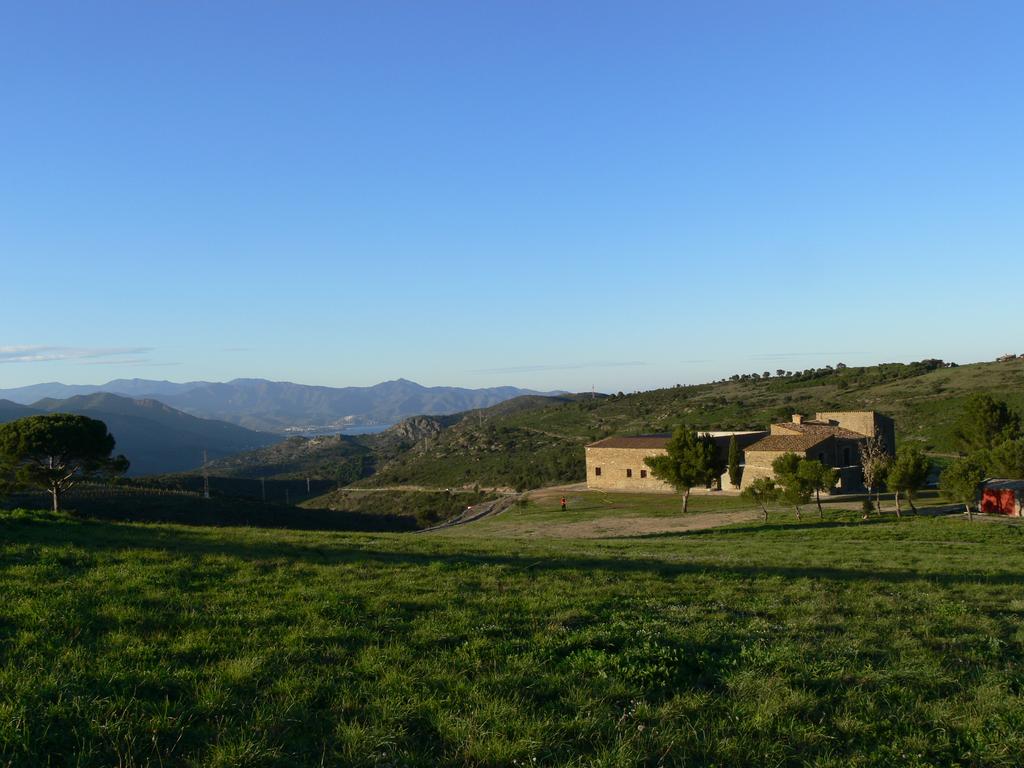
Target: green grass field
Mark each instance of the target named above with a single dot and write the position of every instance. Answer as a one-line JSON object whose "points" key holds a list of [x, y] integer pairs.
{"points": [[539, 512], [830, 643]]}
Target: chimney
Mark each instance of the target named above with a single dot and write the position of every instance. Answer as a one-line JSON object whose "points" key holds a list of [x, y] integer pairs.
{"points": [[798, 419]]}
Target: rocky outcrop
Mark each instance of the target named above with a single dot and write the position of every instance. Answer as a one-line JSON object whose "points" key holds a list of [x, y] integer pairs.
{"points": [[417, 431]]}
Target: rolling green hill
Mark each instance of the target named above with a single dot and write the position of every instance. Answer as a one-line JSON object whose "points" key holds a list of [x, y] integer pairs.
{"points": [[426, 507], [341, 458], [531, 441], [238, 506], [10, 411], [155, 437], [526, 447]]}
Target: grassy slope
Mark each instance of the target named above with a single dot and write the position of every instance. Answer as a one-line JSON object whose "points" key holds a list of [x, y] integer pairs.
{"points": [[330, 457], [141, 505], [924, 406], [828, 644], [426, 507], [527, 448], [541, 508]]}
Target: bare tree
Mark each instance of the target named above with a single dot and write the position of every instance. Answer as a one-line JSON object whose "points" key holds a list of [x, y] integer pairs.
{"points": [[875, 462]]}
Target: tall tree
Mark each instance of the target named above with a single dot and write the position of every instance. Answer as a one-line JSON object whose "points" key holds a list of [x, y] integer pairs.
{"points": [[735, 478], [763, 492], [689, 461], [6, 475], [793, 489], [817, 477], [1005, 460], [959, 482], [985, 422], [785, 466], [908, 473], [55, 451], [874, 462]]}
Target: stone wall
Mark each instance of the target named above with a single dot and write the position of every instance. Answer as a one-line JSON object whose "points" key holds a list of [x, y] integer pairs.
{"points": [[836, 452], [864, 423], [759, 464], [830, 453], [614, 463]]}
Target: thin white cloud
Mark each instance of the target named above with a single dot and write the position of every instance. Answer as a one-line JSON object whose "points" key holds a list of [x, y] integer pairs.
{"points": [[43, 354], [119, 361], [795, 355]]}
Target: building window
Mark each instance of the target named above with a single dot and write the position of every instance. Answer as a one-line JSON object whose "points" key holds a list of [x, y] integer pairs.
{"points": [[629, 473], [597, 471], [643, 473]]}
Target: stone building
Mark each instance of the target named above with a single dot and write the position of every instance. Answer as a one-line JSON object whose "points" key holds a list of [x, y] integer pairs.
{"points": [[834, 438], [617, 463]]}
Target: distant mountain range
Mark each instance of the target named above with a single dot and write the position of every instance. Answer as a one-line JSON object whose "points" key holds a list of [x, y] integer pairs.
{"points": [[155, 437], [10, 411], [283, 407], [127, 387]]}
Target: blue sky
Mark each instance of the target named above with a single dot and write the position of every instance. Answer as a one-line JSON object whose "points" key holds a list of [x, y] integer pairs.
{"points": [[545, 194]]}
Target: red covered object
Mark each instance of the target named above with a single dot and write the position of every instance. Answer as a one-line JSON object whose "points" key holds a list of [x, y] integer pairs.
{"points": [[996, 501]]}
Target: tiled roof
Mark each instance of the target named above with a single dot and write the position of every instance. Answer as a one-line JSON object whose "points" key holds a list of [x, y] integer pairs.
{"points": [[641, 441], [788, 442], [820, 429], [803, 437], [648, 442]]}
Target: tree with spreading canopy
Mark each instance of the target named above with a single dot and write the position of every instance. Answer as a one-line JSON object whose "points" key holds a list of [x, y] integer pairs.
{"points": [[55, 451], [763, 492], [735, 477], [959, 482], [817, 477], [689, 460], [6, 475], [907, 474], [1004, 460], [984, 423], [793, 488]]}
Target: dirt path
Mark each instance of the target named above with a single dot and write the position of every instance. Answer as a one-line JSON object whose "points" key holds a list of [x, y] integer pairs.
{"points": [[393, 488], [620, 521], [474, 513], [573, 438]]}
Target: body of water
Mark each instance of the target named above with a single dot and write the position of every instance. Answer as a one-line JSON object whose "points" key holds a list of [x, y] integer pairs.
{"points": [[365, 429]]}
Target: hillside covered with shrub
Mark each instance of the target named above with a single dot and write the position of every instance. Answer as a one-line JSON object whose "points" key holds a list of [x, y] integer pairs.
{"points": [[542, 444], [532, 441]]}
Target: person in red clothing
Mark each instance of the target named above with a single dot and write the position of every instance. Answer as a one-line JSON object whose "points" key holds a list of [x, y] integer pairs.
{"points": [[563, 503]]}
